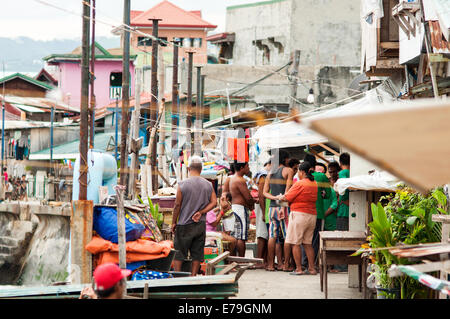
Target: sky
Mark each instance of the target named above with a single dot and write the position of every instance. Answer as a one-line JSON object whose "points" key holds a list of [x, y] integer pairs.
{"points": [[41, 20]]}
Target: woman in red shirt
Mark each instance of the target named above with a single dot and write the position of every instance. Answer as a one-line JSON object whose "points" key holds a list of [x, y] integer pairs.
{"points": [[302, 198]]}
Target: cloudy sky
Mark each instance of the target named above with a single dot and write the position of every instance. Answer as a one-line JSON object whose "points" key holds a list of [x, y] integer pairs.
{"points": [[50, 19]]}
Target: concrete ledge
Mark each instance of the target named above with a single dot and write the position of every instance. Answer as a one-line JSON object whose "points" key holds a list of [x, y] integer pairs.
{"points": [[36, 208]]}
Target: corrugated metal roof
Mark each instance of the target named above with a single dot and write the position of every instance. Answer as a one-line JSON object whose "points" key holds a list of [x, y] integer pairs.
{"points": [[18, 125], [27, 108], [438, 41], [102, 141], [44, 104]]}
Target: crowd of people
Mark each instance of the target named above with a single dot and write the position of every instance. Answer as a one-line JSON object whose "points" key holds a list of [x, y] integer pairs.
{"points": [[15, 187], [292, 201], [296, 203]]}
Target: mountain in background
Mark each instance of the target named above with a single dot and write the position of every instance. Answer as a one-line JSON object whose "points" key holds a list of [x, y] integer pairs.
{"points": [[23, 54]]}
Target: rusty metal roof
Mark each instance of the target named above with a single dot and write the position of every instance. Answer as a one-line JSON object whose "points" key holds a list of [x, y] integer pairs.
{"points": [[438, 41], [43, 104]]}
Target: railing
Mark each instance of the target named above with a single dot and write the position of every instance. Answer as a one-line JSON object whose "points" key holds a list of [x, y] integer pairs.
{"points": [[115, 92]]}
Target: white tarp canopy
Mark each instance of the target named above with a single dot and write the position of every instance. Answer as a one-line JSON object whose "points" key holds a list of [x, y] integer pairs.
{"points": [[381, 181], [409, 140], [292, 134]]}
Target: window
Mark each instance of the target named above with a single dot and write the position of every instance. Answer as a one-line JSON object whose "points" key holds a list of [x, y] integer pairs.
{"points": [[187, 42], [115, 79], [162, 43], [197, 42], [145, 41]]}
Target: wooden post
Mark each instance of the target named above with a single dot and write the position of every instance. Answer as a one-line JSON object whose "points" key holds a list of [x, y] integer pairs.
{"points": [[125, 96], [175, 111], [81, 221], [445, 220], [294, 74], [162, 131], [84, 107], [190, 140], [120, 189], [151, 153], [154, 98], [135, 134], [92, 79], [198, 115]]}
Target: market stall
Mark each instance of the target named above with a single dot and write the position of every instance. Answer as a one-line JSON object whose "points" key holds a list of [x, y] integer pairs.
{"points": [[410, 141]]}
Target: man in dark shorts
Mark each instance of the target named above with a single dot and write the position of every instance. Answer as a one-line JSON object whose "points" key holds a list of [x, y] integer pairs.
{"points": [[195, 197]]}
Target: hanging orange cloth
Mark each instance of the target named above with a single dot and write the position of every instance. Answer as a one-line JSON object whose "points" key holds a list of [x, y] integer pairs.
{"points": [[232, 148], [242, 150]]}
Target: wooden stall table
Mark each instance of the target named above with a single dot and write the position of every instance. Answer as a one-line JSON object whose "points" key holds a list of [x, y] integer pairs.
{"points": [[335, 249]]}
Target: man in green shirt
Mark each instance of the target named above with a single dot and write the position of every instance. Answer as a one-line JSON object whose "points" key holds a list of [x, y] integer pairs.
{"points": [[343, 203], [331, 204], [324, 193]]}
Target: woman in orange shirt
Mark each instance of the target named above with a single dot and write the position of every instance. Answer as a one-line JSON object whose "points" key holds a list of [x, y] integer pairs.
{"points": [[302, 198]]}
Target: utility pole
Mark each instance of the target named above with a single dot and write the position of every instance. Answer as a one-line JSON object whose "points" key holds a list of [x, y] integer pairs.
{"points": [[154, 100], [135, 134], [198, 114], [202, 101], [92, 77], [189, 101], [175, 112], [294, 82], [162, 136], [3, 128], [84, 128], [116, 128], [125, 95], [52, 116], [122, 188]]}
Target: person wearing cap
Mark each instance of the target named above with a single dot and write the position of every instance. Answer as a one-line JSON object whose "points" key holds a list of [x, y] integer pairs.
{"points": [[110, 283], [195, 197]]}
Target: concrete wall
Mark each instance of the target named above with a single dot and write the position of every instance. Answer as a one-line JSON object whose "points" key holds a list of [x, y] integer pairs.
{"points": [[326, 31], [259, 22], [330, 83], [34, 243], [40, 138]]}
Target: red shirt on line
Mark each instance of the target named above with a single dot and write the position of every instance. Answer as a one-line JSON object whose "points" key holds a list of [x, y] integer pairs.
{"points": [[302, 196]]}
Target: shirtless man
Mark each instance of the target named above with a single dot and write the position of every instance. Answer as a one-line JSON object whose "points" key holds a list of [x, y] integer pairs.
{"points": [[226, 185], [242, 203]]}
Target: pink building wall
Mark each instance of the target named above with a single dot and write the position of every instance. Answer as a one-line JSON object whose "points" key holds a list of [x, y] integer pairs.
{"points": [[70, 81]]}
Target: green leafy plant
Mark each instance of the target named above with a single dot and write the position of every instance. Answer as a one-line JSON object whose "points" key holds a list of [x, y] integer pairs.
{"points": [[154, 211], [406, 219]]}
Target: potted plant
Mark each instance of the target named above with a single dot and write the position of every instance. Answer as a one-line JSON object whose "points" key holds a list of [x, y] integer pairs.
{"points": [[404, 220]]}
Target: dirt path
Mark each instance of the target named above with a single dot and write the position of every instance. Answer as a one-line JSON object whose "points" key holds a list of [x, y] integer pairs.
{"points": [[258, 283]]}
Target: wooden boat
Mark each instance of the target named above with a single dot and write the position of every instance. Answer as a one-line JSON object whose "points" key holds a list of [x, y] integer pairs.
{"points": [[217, 286]]}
